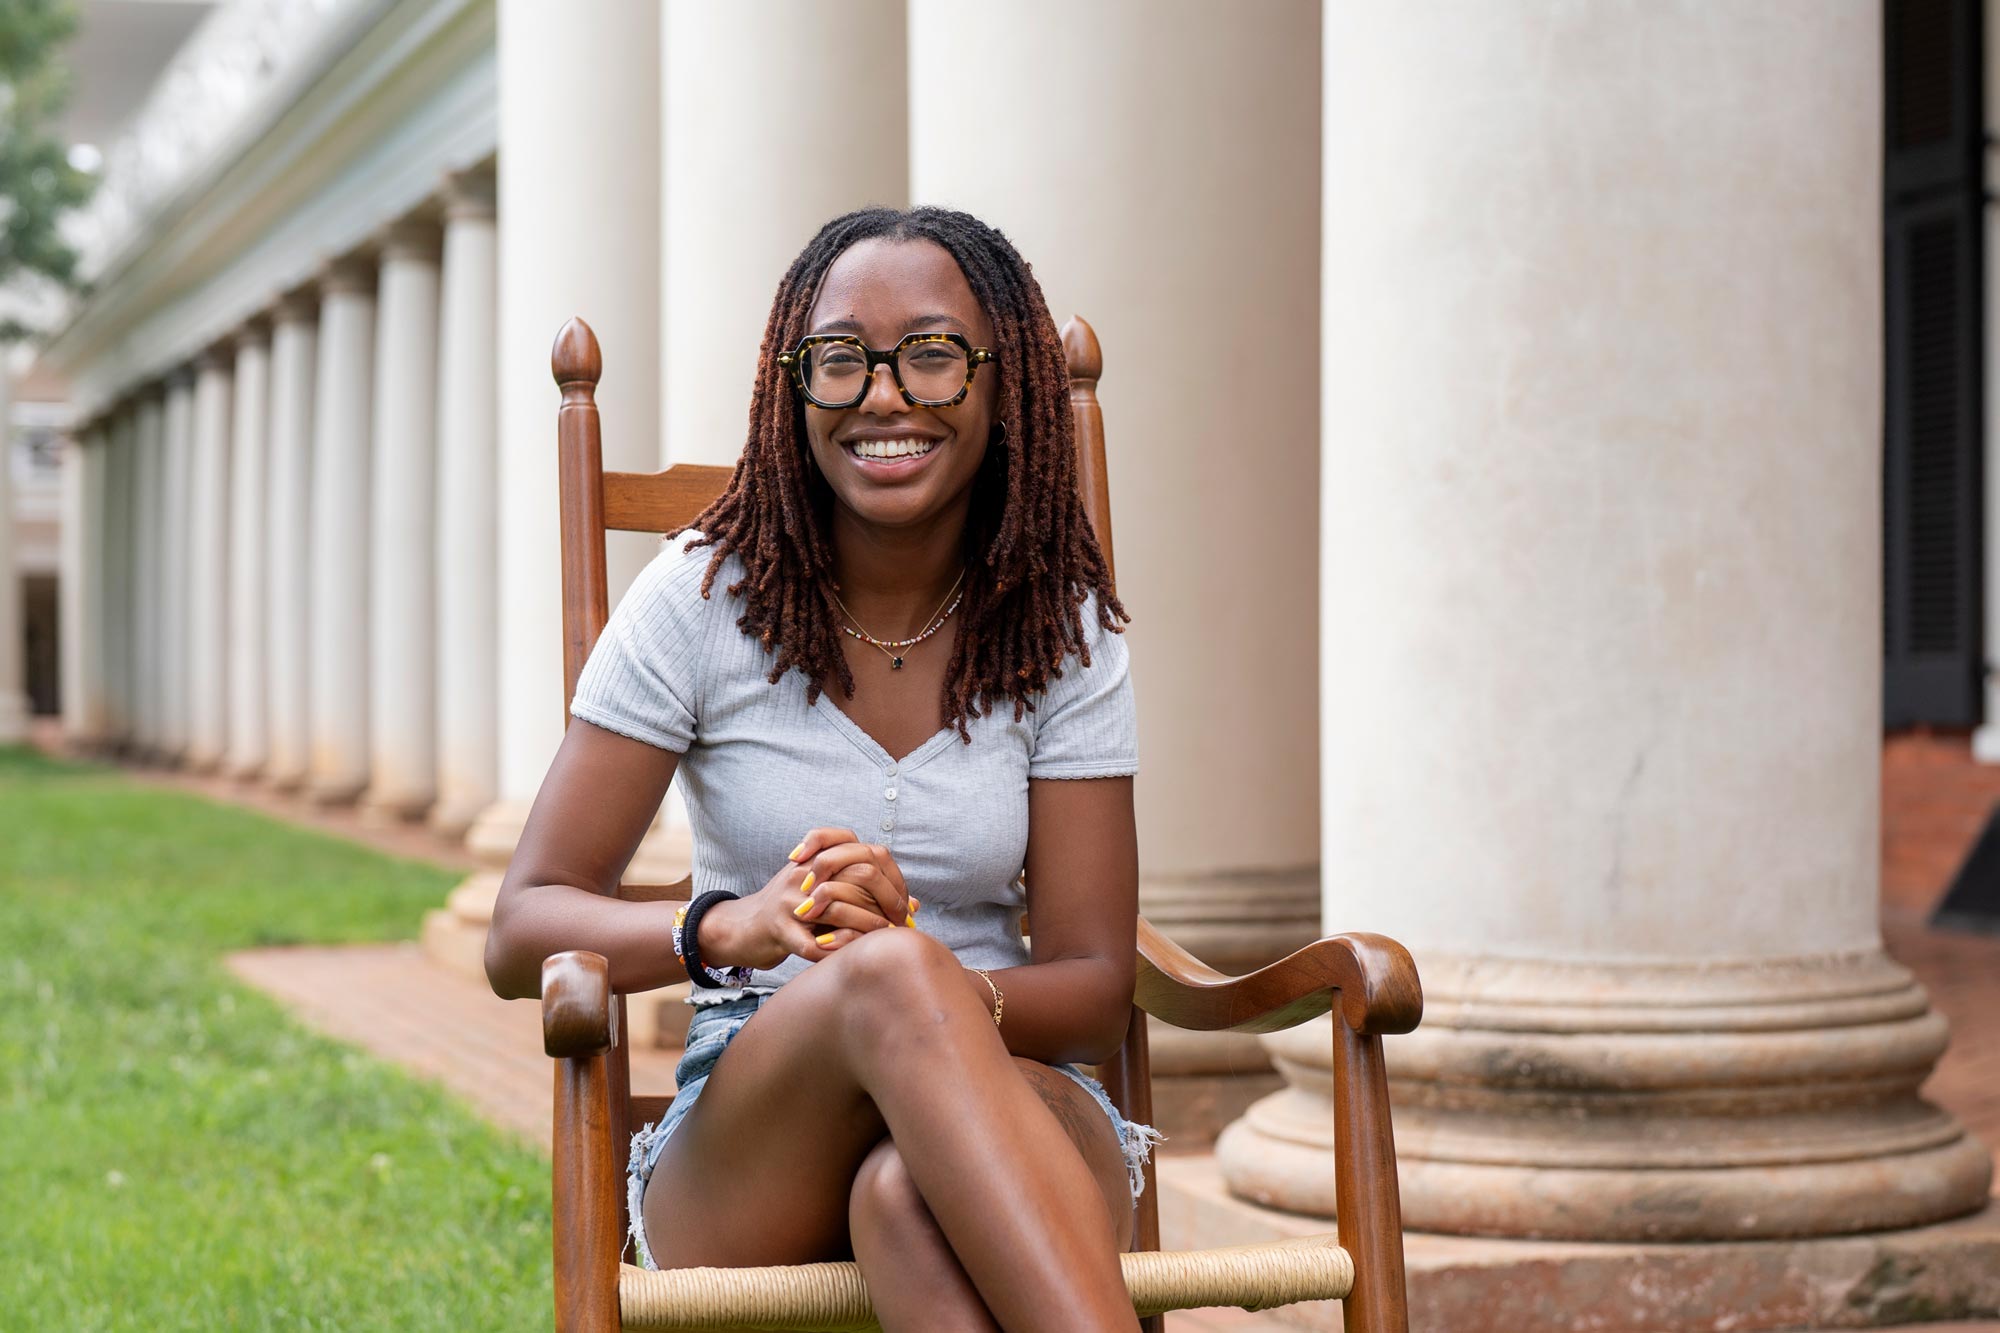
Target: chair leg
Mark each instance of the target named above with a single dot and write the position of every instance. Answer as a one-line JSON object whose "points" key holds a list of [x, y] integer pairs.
{"points": [[587, 1237], [1366, 1194]]}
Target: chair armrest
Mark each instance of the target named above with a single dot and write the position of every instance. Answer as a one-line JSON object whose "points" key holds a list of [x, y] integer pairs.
{"points": [[578, 1017], [1372, 976]]}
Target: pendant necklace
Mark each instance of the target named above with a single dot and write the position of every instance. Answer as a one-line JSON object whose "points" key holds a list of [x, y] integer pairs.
{"points": [[893, 648]]}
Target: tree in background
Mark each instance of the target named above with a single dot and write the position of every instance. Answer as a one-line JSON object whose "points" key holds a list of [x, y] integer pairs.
{"points": [[37, 183]]}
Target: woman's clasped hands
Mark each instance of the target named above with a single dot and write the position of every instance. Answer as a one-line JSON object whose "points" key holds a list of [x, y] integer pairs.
{"points": [[833, 888]]}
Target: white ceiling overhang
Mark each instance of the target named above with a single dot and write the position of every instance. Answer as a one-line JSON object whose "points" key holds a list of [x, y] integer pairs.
{"points": [[396, 96]]}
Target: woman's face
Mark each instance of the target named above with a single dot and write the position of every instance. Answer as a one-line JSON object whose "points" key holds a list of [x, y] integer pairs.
{"points": [[879, 290]]}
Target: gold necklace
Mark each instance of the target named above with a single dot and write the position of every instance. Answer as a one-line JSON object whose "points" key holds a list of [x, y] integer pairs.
{"points": [[889, 647]]}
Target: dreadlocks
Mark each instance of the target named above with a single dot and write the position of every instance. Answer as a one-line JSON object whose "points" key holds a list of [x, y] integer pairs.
{"points": [[1031, 556]]}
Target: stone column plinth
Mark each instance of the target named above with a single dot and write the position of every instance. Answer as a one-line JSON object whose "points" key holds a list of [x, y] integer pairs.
{"points": [[1141, 171], [176, 494], [148, 568], [402, 595], [208, 563], [337, 661], [249, 510], [1601, 610], [467, 666], [288, 540]]}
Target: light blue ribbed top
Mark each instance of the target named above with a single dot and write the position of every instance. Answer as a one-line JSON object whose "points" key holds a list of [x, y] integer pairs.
{"points": [[759, 766]]}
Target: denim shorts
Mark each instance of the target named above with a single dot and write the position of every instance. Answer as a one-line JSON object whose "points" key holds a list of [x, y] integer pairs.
{"points": [[714, 1026]]}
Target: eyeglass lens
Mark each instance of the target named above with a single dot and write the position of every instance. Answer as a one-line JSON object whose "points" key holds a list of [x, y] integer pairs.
{"points": [[931, 372]]}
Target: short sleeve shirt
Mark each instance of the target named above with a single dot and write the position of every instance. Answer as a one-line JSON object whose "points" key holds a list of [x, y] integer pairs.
{"points": [[759, 765]]}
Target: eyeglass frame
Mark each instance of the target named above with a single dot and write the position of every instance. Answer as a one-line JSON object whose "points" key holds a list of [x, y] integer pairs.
{"points": [[794, 360]]}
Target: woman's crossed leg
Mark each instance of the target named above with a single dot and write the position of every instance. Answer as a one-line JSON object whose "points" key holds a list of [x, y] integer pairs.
{"points": [[984, 1198]]}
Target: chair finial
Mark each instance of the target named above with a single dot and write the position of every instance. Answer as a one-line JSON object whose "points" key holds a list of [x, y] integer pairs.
{"points": [[1085, 357], [575, 356]]}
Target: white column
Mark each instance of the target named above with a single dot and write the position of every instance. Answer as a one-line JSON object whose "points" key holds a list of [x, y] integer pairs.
{"points": [[745, 83], [176, 493], [402, 600], [249, 567], [1601, 575], [13, 646], [288, 539], [208, 564], [579, 104], [467, 666], [115, 618], [338, 654], [148, 569], [81, 583], [1158, 165]]}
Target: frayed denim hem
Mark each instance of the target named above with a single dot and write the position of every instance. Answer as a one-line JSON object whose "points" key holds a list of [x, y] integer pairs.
{"points": [[637, 1172], [1135, 1141]]}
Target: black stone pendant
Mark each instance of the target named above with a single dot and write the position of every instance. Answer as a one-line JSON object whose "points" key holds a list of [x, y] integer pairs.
{"points": [[895, 664]]}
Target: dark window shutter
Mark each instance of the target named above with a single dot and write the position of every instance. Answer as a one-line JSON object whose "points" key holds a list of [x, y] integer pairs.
{"points": [[1934, 418]]}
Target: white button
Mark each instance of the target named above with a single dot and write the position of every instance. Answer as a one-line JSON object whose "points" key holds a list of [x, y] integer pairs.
{"points": [[888, 824], [889, 793], [889, 772]]}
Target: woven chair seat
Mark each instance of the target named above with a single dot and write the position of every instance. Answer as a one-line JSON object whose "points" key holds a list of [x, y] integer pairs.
{"points": [[832, 1298]]}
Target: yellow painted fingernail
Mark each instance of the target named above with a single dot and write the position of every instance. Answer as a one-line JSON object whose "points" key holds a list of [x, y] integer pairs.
{"points": [[823, 940], [909, 921], [803, 908], [793, 855], [914, 904], [807, 887]]}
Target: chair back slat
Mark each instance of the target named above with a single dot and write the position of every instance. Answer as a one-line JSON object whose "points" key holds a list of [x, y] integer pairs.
{"points": [[661, 501]]}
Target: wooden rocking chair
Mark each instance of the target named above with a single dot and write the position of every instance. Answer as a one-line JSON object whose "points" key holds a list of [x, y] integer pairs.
{"points": [[1367, 981]]}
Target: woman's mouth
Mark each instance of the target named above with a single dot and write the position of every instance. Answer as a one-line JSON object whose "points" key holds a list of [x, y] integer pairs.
{"points": [[891, 456]]}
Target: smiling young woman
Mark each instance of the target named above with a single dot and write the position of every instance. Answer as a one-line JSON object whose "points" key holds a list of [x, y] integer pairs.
{"points": [[886, 667]]}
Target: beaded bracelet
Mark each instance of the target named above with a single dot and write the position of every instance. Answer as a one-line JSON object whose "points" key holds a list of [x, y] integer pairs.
{"points": [[687, 930]]}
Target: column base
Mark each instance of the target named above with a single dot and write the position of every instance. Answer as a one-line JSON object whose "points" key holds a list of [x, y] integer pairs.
{"points": [[1986, 744], [1946, 1271], [455, 935], [334, 791], [379, 806], [1640, 1103], [243, 768], [454, 816]]}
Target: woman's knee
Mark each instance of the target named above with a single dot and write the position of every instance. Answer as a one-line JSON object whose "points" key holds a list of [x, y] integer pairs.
{"points": [[900, 967], [884, 1202]]}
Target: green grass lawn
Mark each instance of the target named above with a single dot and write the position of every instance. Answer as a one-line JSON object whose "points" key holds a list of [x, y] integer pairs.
{"points": [[176, 1152]]}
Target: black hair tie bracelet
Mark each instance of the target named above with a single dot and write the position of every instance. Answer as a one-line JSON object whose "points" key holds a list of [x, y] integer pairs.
{"points": [[687, 935]]}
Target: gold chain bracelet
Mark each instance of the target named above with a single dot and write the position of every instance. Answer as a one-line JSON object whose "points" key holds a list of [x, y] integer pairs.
{"points": [[999, 1000]]}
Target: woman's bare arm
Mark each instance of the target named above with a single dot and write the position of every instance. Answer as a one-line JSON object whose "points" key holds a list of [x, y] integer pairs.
{"points": [[596, 803], [1072, 1003]]}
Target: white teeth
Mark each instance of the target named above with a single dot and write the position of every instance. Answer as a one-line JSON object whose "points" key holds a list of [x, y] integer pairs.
{"points": [[893, 448]]}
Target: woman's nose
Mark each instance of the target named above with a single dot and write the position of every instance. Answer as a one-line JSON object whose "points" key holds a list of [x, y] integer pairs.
{"points": [[883, 397]]}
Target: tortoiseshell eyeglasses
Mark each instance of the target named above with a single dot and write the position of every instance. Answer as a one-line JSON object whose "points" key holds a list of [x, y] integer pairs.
{"points": [[834, 370]]}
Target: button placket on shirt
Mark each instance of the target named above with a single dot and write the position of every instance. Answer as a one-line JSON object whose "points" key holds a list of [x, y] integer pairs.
{"points": [[889, 796]]}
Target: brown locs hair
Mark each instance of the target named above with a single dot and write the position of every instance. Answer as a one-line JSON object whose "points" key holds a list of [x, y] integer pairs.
{"points": [[1031, 557]]}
